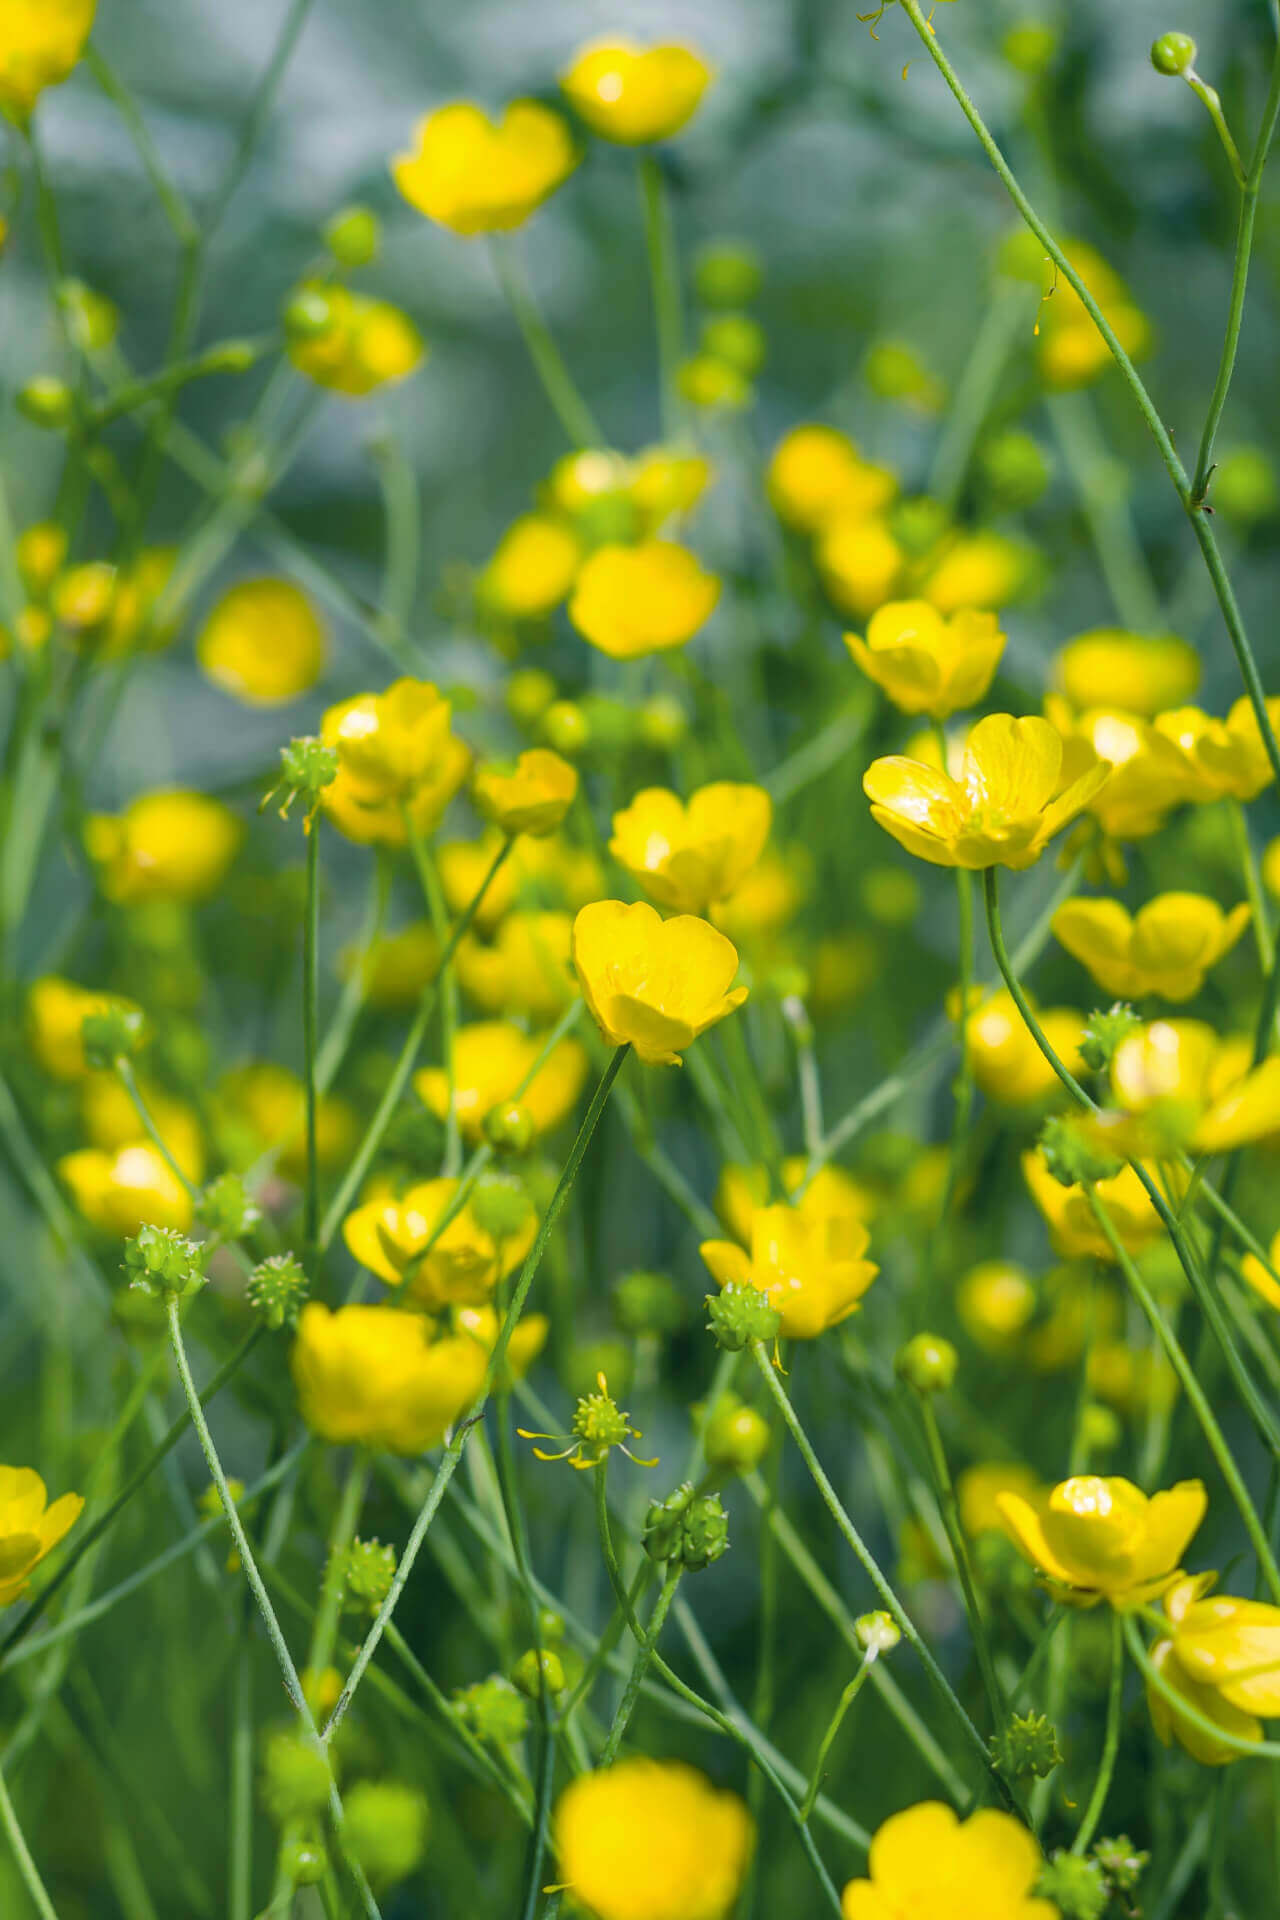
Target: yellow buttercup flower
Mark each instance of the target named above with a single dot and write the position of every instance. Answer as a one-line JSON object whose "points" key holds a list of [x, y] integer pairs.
{"points": [[1072, 353], [976, 571], [816, 472], [860, 562], [927, 664], [263, 643], [632, 601], [56, 1013], [633, 96], [491, 1058], [476, 175], [1007, 804], [1098, 1539], [120, 1191], [532, 568], [650, 983], [651, 1840], [132, 624], [811, 1268], [664, 482], [1006, 1062], [532, 797], [40, 42], [686, 856], [29, 1528], [375, 1377], [1072, 1228], [831, 1194], [1166, 948], [164, 846], [401, 1242], [1171, 1725], [261, 1107], [1149, 771], [525, 969], [351, 344], [994, 1302], [111, 1120], [1228, 1644], [1189, 1089], [395, 752], [398, 966], [927, 1864], [978, 1490], [1107, 667], [1221, 757]]}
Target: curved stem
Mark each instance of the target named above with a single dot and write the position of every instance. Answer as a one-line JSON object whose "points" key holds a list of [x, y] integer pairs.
{"points": [[129, 1082], [960, 1554], [644, 1654], [843, 1705], [665, 279], [310, 997], [1111, 1741], [1184, 1710], [22, 1854], [568, 405]]}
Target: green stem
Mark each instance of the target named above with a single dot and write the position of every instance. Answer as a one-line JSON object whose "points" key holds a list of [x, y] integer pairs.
{"points": [[1212, 102], [843, 1705], [22, 1854], [310, 999], [570, 409], [644, 1654], [1102, 484], [402, 512], [447, 982], [1110, 1744], [324, 1633], [129, 1082], [1238, 822], [240, 1790], [960, 1553], [1003, 322], [665, 280]]}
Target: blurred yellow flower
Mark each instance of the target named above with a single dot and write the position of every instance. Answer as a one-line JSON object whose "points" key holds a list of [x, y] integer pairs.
{"points": [[1170, 1724], [29, 1528], [1166, 948], [1221, 757], [860, 562], [41, 550], [816, 472], [1149, 771], [164, 846], [769, 896], [532, 568], [811, 1267], [491, 1058], [351, 344], [545, 873], [832, 1194], [1072, 1228], [525, 969], [402, 1243], [260, 1107], [666, 481], [122, 1190], [632, 601], [40, 42], [651, 1840], [531, 797], [1072, 352], [650, 983], [1108, 667], [976, 571], [56, 1013], [1008, 802], [1263, 1283], [111, 1120], [927, 1864], [398, 966], [927, 664], [1098, 1539], [632, 95], [375, 1377], [263, 643], [476, 175], [994, 1302], [1006, 1062], [978, 1490], [395, 752], [686, 856]]}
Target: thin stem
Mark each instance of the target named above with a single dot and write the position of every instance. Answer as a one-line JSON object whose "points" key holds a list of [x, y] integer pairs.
{"points": [[310, 999], [1238, 821], [960, 1553], [22, 1854], [843, 1705], [324, 1633], [447, 982], [1110, 1744], [1102, 484], [570, 409], [664, 278], [129, 1082], [797, 1018], [975, 390], [1212, 102], [644, 1654], [240, 1790]]}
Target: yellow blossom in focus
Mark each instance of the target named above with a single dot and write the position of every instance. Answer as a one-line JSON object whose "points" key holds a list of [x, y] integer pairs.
{"points": [[650, 983], [978, 1490], [375, 1377], [260, 1108], [164, 846], [1008, 802], [1097, 1539], [975, 571], [263, 643], [475, 175], [1166, 948], [1107, 667], [401, 1241], [111, 1120], [1228, 1644], [1072, 1228], [40, 42], [651, 1840], [491, 1059], [816, 472], [811, 1267], [860, 562], [994, 1302], [687, 856], [29, 1528], [1005, 1060], [531, 797], [927, 664], [532, 568], [363, 345], [395, 752], [632, 601], [525, 969], [633, 96], [120, 1191], [927, 1864], [1207, 1701]]}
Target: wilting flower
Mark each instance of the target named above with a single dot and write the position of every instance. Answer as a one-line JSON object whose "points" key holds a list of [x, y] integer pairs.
{"points": [[927, 1864], [56, 1012], [532, 568], [263, 643], [1098, 1539], [477, 176], [651, 1840], [687, 856], [1166, 948], [531, 797], [119, 1192], [402, 1241], [1072, 1226], [40, 42], [164, 846], [650, 983], [927, 664], [1008, 802], [816, 472], [811, 1269], [395, 752], [1007, 1063], [525, 969], [350, 344], [631, 601], [633, 96], [491, 1060], [29, 1529], [1107, 667]]}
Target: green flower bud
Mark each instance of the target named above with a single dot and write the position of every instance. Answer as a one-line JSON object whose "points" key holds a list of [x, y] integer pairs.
{"points": [[735, 1438], [45, 401], [1075, 1886], [353, 236], [688, 1529], [1030, 46], [649, 1303], [739, 1314], [295, 1776], [662, 722], [1100, 1428], [524, 1674], [706, 381], [918, 524], [1072, 1159], [307, 766], [927, 1362], [499, 1205], [727, 274], [303, 1858], [586, 1363], [1016, 470], [1173, 53], [116, 1033], [92, 319], [1104, 1033], [510, 1128], [529, 693], [878, 1632], [385, 1823], [308, 314], [161, 1261], [1122, 1864], [277, 1288], [493, 1710], [894, 371], [565, 728], [368, 1568], [1027, 1745], [226, 1209], [737, 340]]}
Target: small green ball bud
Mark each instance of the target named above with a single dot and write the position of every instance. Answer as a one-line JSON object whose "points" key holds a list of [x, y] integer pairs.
{"points": [[510, 1128], [308, 765], [1016, 470], [1100, 1428], [739, 1314], [878, 1632], [499, 1205], [1104, 1033], [662, 722], [919, 523], [528, 695], [303, 1858], [92, 319], [295, 1777], [493, 1710], [735, 1438], [1071, 1158], [368, 1569], [386, 1823], [1029, 46], [687, 1529], [649, 1303], [737, 340], [45, 402], [353, 236], [524, 1674], [277, 1288], [1173, 53], [1027, 1745], [727, 274], [115, 1033], [1245, 486], [226, 1210], [565, 727], [308, 314], [233, 356], [161, 1261], [1075, 1886], [927, 1362]]}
